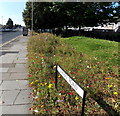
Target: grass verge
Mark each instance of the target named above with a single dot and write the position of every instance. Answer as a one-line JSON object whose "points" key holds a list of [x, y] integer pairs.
{"points": [[75, 55]]}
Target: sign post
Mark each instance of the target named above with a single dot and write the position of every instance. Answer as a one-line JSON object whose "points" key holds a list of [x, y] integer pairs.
{"points": [[73, 84], [56, 77]]}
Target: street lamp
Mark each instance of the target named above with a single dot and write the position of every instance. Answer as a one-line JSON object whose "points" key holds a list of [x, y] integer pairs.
{"points": [[2, 20], [32, 19]]}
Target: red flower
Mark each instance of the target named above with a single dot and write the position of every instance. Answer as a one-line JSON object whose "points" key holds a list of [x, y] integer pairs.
{"points": [[77, 74], [90, 85], [54, 81], [31, 109], [62, 91], [51, 78], [59, 78], [45, 110], [70, 93], [29, 75], [72, 73]]}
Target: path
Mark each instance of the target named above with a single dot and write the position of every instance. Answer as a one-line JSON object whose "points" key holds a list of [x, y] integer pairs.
{"points": [[14, 91]]}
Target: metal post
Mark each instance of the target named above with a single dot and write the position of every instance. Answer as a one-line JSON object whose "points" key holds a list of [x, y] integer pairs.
{"points": [[2, 20], [56, 77], [32, 19], [83, 103]]}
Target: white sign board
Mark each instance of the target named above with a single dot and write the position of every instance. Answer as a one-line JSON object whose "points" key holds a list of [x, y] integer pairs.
{"points": [[74, 85]]}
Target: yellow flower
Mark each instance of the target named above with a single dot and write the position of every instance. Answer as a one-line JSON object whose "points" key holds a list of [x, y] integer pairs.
{"points": [[76, 98], [115, 93], [40, 83], [50, 85], [110, 85], [32, 83], [45, 83], [36, 81], [59, 76], [107, 78], [42, 106], [54, 67]]}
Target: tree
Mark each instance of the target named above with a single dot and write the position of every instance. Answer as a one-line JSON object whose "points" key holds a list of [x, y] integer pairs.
{"points": [[76, 14], [27, 16], [9, 23]]}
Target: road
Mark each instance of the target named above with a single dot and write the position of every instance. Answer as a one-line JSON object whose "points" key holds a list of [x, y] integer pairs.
{"points": [[7, 36]]}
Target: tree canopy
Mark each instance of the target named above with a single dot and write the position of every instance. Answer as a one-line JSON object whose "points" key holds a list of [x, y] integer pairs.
{"points": [[49, 15], [9, 23]]}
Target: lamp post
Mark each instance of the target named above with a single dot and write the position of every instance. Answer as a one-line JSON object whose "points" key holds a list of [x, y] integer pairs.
{"points": [[2, 20], [32, 19]]}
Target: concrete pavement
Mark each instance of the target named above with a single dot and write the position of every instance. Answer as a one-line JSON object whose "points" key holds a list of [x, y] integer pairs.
{"points": [[14, 91]]}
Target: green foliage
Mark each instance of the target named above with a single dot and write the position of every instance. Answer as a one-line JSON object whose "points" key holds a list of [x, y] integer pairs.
{"points": [[9, 23], [49, 15], [96, 77]]}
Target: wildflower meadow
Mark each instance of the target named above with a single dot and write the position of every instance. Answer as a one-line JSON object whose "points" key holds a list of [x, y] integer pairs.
{"points": [[89, 61]]}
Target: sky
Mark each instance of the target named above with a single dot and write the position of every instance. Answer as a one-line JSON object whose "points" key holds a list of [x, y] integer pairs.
{"points": [[12, 9]]}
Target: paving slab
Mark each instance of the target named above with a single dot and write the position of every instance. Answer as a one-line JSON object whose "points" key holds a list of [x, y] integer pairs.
{"points": [[6, 60], [10, 85], [0, 59], [1, 93], [21, 55], [4, 70], [18, 70], [23, 84], [1, 82], [7, 65], [20, 65], [18, 76], [23, 97], [10, 55], [16, 109], [8, 97], [22, 60], [6, 76], [23, 50], [15, 85], [0, 101]]}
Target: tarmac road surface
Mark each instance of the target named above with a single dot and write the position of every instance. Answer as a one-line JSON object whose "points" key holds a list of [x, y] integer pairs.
{"points": [[7, 36]]}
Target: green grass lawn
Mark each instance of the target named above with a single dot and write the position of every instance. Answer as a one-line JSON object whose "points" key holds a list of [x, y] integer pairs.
{"points": [[103, 50]]}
